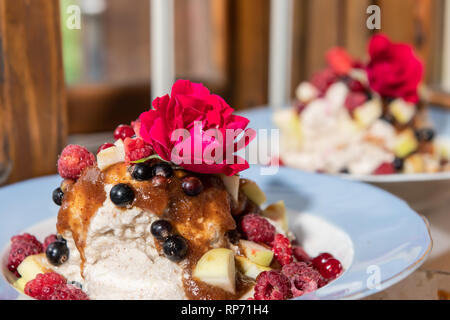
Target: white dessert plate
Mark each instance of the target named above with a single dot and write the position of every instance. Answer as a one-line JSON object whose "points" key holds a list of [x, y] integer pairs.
{"points": [[376, 236], [425, 192]]}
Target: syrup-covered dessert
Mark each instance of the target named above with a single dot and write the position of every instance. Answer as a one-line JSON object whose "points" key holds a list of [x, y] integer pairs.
{"points": [[362, 118], [135, 225]]}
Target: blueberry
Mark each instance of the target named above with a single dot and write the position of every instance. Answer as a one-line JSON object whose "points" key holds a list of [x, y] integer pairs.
{"points": [[344, 171], [75, 284], [398, 163], [161, 229], [192, 186], [175, 248], [159, 181], [57, 252], [57, 196], [121, 195], [388, 118], [162, 169], [425, 135], [142, 172]]}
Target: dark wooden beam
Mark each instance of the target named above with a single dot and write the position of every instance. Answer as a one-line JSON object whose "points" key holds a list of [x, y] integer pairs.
{"points": [[32, 100]]}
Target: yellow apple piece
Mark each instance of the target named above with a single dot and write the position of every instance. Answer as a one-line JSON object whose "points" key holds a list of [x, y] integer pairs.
{"points": [[249, 268], [232, 185], [19, 284], [109, 156], [256, 252], [368, 113], [277, 212], [33, 265], [405, 143], [217, 268], [414, 164], [402, 111], [253, 191], [289, 122]]}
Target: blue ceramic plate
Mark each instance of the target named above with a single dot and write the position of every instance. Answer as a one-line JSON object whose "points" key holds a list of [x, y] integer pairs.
{"points": [[378, 238]]}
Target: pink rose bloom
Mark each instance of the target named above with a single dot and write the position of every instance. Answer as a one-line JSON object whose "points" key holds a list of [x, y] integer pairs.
{"points": [[193, 108], [394, 71]]}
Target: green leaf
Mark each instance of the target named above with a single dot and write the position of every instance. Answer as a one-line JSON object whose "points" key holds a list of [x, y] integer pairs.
{"points": [[153, 156]]}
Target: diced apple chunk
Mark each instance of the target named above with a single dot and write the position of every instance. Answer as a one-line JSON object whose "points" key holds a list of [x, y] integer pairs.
{"points": [[306, 92], [232, 185], [291, 127], [368, 113], [108, 157], [217, 268], [405, 143], [253, 192], [19, 284], [249, 268], [277, 212], [256, 253], [402, 111], [33, 265], [414, 164]]}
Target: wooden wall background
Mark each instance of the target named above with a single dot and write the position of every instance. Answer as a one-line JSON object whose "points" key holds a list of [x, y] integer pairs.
{"points": [[223, 43]]}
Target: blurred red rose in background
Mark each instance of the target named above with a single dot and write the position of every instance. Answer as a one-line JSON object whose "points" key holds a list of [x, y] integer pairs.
{"points": [[394, 71]]}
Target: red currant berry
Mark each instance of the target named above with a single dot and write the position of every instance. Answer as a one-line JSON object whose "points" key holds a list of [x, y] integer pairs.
{"points": [[123, 131], [331, 269], [104, 146]]}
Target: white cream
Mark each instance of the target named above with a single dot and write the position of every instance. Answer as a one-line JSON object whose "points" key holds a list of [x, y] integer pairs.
{"points": [[327, 139], [121, 259]]}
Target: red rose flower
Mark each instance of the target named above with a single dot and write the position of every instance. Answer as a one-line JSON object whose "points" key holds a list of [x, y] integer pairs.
{"points": [[394, 71], [193, 127]]}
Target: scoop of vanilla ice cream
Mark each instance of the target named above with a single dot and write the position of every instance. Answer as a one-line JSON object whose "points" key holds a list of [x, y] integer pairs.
{"points": [[121, 259]]}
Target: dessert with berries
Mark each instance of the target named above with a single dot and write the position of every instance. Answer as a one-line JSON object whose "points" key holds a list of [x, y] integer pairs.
{"points": [[135, 222], [356, 118]]}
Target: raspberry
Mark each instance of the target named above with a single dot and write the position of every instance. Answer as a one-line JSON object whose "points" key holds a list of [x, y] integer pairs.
{"points": [[272, 285], [22, 246], [255, 228], [73, 160], [385, 168], [49, 240], [53, 286], [104, 146], [123, 131], [282, 249], [339, 60], [276, 161], [324, 79], [354, 100], [136, 149], [303, 278], [355, 85], [300, 254], [300, 107], [136, 125]]}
